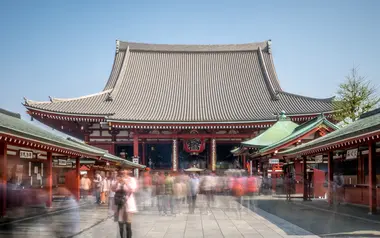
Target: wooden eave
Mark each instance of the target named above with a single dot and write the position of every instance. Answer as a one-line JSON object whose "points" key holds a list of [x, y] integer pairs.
{"points": [[342, 144]]}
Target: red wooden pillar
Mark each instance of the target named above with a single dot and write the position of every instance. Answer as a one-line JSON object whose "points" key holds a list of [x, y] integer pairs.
{"points": [[372, 177], [143, 153], [49, 182], [86, 137], [4, 173], [135, 145], [77, 174], [330, 175], [305, 195]]}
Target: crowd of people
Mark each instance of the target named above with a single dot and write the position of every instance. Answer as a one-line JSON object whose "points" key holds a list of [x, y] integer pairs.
{"points": [[167, 192]]}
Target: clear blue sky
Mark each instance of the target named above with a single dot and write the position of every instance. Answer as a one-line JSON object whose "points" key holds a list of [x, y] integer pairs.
{"points": [[66, 49]]}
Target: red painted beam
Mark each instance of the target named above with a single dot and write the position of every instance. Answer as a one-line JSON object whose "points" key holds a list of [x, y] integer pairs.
{"points": [[77, 174], [24, 143], [372, 177], [200, 136], [135, 145], [4, 172], [342, 144], [330, 173], [49, 181]]}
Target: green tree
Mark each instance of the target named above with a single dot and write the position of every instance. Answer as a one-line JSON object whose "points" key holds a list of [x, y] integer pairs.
{"points": [[355, 96]]}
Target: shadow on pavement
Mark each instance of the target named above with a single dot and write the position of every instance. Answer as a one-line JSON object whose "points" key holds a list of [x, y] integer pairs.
{"points": [[309, 216]]}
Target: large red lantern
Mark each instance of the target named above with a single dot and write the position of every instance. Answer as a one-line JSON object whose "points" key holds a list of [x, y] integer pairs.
{"points": [[194, 145]]}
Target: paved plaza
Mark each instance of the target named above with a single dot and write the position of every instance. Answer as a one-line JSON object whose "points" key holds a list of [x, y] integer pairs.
{"points": [[264, 216], [226, 219]]}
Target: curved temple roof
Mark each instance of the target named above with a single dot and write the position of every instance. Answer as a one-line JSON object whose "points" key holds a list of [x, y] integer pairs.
{"points": [[11, 124], [189, 83]]}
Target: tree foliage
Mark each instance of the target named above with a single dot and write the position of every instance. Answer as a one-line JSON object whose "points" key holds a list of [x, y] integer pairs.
{"points": [[355, 96]]}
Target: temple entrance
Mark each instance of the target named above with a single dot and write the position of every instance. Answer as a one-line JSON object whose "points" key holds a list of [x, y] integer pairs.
{"points": [[124, 151], [159, 156], [225, 159], [187, 160]]}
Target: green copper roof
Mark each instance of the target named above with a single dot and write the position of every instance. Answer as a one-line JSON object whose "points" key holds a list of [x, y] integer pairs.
{"points": [[369, 122], [12, 124], [300, 131], [281, 129]]}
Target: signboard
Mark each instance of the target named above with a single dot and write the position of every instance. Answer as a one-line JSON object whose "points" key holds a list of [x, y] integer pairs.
{"points": [[274, 161], [62, 162], [135, 159], [26, 154], [318, 159], [352, 154]]}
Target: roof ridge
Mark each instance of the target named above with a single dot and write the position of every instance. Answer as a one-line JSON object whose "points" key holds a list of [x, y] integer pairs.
{"points": [[29, 102], [9, 113], [139, 46], [370, 113], [267, 78], [55, 100], [119, 79], [298, 95]]}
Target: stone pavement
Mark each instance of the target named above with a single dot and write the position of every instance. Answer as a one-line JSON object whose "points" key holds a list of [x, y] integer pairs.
{"points": [[227, 218], [317, 217], [22, 213], [61, 224]]}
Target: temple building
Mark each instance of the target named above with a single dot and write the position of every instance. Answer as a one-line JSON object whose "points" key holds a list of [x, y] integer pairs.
{"points": [[263, 151], [176, 106]]}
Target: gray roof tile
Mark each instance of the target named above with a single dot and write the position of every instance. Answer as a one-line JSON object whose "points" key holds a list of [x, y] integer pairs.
{"points": [[190, 83]]}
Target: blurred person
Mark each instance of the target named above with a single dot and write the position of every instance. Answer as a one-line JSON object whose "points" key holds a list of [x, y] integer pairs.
{"points": [[288, 184], [125, 204], [104, 190], [184, 181], [252, 189], [97, 186], [85, 185], [112, 183], [177, 193], [146, 187], [207, 185], [160, 192], [155, 178], [338, 183], [193, 192], [168, 198], [259, 178]]}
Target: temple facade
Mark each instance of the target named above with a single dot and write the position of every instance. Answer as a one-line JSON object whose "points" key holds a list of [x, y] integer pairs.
{"points": [[176, 106]]}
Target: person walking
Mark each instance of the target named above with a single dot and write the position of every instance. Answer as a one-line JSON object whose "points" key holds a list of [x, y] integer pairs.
{"points": [[125, 203], [193, 192], [85, 185], [104, 190], [168, 201], [97, 186], [113, 182]]}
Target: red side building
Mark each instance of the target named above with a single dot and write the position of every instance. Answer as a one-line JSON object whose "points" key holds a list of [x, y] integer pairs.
{"points": [[174, 106]]}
